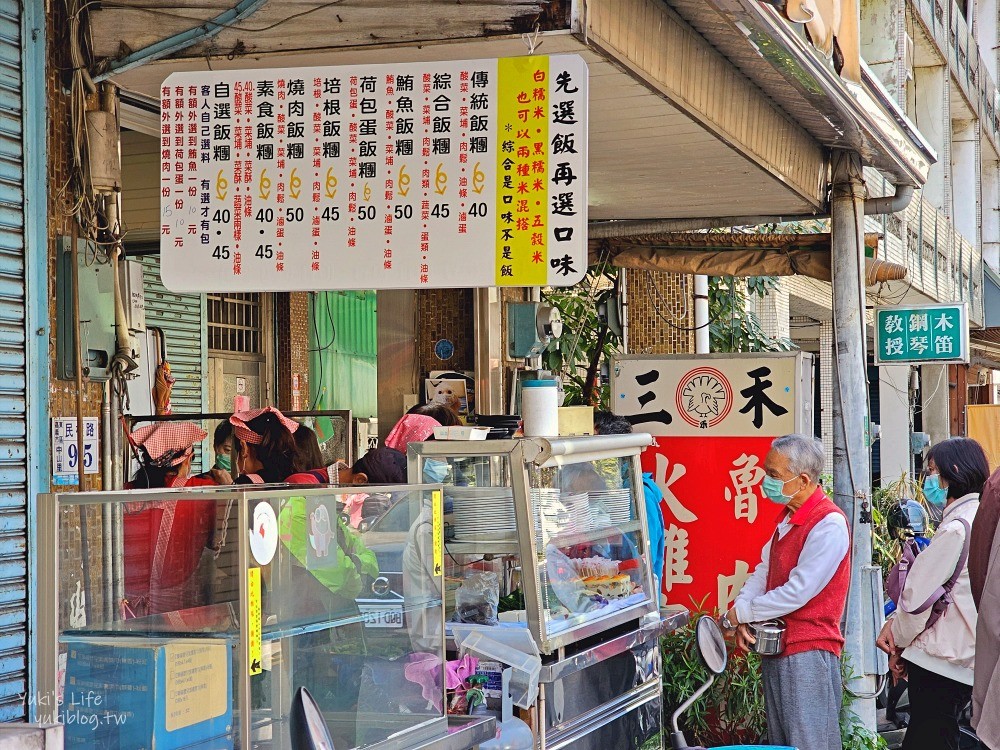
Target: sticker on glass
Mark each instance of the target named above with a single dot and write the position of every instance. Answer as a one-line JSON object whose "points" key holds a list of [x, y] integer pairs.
{"points": [[263, 534]]}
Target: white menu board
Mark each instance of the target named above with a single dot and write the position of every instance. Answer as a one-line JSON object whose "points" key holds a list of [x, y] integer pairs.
{"points": [[444, 174]]}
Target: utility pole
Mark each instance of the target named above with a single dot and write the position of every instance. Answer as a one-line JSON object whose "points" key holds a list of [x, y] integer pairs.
{"points": [[851, 470]]}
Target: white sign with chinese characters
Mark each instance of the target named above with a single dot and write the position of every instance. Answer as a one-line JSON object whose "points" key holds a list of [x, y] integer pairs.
{"points": [[65, 451], [412, 175], [717, 395]]}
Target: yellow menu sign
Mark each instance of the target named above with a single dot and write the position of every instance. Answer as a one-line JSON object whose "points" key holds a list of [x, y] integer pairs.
{"points": [[254, 633], [437, 516], [522, 170]]}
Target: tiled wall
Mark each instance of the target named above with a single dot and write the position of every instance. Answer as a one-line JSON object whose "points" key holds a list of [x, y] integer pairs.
{"points": [[772, 311], [826, 392], [292, 348], [660, 312], [62, 393], [445, 314]]}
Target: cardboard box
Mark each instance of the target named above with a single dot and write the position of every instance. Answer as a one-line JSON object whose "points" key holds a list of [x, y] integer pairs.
{"points": [[142, 695], [576, 420]]}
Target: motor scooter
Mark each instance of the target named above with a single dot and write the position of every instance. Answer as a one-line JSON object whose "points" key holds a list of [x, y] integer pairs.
{"points": [[711, 646]]}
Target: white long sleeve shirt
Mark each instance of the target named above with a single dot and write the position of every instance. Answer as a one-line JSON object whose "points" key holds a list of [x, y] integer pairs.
{"points": [[948, 648], [822, 553]]}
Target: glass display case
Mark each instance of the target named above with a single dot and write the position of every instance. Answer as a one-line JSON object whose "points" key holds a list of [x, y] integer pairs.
{"points": [[190, 617], [552, 531], [560, 523]]}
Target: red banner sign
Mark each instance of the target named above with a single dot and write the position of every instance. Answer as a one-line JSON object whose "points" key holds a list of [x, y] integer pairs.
{"points": [[714, 417]]}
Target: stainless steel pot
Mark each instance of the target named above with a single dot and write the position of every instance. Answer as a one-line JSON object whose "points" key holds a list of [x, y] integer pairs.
{"points": [[770, 637]]}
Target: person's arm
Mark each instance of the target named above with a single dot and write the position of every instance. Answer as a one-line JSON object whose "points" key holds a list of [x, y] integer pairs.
{"points": [[931, 568], [983, 531], [754, 586], [356, 548], [821, 555]]}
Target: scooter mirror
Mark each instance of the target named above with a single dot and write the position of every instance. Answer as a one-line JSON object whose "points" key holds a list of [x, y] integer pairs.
{"points": [[711, 644], [307, 726]]}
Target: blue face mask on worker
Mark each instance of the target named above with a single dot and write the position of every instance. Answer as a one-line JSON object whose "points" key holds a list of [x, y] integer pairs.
{"points": [[933, 491], [222, 462], [774, 490], [435, 472]]}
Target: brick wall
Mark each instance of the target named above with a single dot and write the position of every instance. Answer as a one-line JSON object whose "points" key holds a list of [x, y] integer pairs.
{"points": [[292, 348], [63, 393], [80, 521], [660, 312], [445, 314]]}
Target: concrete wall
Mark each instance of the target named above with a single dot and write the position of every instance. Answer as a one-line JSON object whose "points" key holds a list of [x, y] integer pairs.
{"points": [[894, 418]]}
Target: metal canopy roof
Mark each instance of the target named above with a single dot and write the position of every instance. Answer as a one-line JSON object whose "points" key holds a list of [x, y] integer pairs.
{"points": [[647, 158]]}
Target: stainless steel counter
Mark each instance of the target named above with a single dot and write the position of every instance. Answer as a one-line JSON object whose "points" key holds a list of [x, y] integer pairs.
{"points": [[464, 732], [668, 620]]}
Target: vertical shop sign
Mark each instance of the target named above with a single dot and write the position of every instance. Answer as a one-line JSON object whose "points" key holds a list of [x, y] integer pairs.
{"points": [[442, 174], [713, 419]]}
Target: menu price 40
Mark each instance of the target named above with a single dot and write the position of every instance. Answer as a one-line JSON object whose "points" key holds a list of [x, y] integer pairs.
{"points": [[443, 174]]}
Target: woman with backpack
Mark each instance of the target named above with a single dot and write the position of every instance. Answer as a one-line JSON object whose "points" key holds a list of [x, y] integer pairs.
{"points": [[931, 638]]}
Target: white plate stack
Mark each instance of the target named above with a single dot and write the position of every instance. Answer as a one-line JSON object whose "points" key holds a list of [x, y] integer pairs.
{"points": [[482, 513], [613, 505], [551, 516], [578, 506]]}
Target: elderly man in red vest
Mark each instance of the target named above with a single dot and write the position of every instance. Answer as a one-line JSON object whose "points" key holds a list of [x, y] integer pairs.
{"points": [[802, 578]]}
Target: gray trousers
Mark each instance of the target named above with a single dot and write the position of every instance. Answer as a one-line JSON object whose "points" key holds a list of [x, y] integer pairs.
{"points": [[803, 693]]}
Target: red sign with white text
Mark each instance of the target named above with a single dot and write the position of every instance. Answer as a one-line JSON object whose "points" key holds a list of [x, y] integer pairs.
{"points": [[714, 418], [715, 516]]}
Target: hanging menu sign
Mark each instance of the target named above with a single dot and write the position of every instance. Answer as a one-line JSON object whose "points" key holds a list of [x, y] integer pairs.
{"points": [[414, 175]]}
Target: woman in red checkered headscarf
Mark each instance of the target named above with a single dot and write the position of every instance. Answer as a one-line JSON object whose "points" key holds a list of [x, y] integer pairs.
{"points": [[165, 540], [264, 449]]}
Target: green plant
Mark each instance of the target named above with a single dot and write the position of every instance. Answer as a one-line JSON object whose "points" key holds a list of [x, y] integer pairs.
{"points": [[732, 711], [734, 328], [853, 734], [587, 338], [886, 546]]}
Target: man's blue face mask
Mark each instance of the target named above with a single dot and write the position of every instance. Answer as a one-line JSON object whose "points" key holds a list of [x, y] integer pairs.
{"points": [[774, 490], [435, 472]]}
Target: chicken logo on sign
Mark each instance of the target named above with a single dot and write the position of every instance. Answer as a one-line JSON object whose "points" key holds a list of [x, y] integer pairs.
{"points": [[704, 397]]}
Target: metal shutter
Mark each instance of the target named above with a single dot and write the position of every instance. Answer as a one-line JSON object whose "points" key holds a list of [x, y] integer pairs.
{"points": [[343, 352], [183, 322], [13, 442]]}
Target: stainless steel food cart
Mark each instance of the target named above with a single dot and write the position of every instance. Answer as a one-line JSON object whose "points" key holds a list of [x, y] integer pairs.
{"points": [[583, 566]]}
